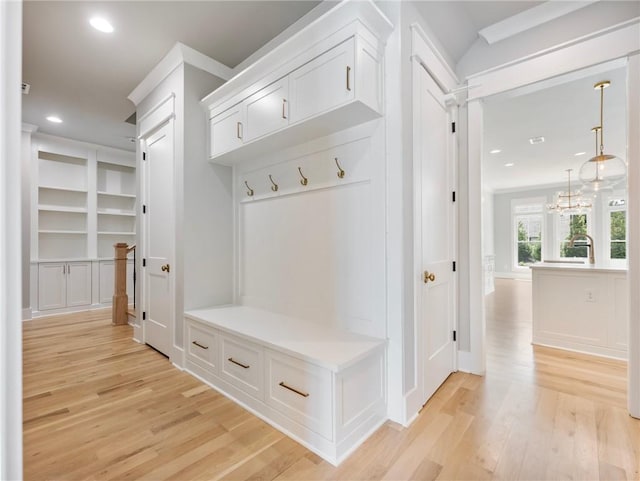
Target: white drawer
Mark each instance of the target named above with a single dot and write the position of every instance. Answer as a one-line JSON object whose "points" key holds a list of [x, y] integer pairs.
{"points": [[242, 364], [301, 391], [202, 346]]}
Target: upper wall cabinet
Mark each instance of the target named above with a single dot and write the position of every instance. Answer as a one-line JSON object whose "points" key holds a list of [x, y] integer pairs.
{"points": [[267, 111], [330, 85]]}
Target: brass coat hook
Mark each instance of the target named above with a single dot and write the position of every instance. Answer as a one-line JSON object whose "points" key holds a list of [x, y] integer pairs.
{"points": [[250, 191], [340, 172], [274, 187], [304, 180]]}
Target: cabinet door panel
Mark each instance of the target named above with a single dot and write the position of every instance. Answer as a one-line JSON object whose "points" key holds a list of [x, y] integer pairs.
{"points": [[267, 110], [106, 282], [241, 364], [226, 131], [324, 83], [78, 284], [301, 391], [52, 286]]}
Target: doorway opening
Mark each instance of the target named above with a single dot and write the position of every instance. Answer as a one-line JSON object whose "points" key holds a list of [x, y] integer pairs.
{"points": [[532, 137]]}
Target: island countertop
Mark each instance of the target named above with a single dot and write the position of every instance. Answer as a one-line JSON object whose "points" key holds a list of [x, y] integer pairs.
{"points": [[575, 266]]}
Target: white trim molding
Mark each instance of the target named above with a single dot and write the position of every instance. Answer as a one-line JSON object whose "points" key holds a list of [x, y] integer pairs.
{"points": [[178, 55], [425, 52], [633, 250], [529, 19], [10, 241], [602, 46]]}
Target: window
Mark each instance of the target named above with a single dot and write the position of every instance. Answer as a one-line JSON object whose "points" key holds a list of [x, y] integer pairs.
{"points": [[528, 225], [617, 228], [568, 226]]}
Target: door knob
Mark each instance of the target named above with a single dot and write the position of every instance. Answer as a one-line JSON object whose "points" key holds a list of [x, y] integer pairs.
{"points": [[165, 268], [429, 276]]}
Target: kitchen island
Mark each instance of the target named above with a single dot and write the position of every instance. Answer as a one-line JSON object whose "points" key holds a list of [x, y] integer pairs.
{"points": [[581, 307]]}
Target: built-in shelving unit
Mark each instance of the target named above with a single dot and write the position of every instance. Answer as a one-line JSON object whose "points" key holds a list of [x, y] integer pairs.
{"points": [[116, 201], [84, 202], [62, 205]]}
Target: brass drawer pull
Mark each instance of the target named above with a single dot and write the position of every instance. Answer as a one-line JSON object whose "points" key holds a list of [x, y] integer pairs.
{"points": [[199, 345], [245, 366], [300, 393]]}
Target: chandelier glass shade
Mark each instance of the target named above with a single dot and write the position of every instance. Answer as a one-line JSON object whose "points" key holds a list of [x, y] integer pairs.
{"points": [[569, 202], [603, 171]]}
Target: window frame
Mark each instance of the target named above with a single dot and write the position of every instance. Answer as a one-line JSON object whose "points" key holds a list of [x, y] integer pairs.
{"points": [[541, 201], [607, 227], [557, 240]]}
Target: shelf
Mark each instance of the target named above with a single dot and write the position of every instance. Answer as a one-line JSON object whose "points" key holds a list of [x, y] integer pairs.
{"points": [[118, 163], [115, 233], [120, 213], [113, 194], [55, 208], [63, 189], [52, 231]]}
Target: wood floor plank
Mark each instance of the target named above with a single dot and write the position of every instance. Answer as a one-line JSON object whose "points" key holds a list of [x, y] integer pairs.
{"points": [[99, 406]]}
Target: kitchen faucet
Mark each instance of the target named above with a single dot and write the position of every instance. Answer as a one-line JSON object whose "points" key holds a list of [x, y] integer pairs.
{"points": [[592, 258]]}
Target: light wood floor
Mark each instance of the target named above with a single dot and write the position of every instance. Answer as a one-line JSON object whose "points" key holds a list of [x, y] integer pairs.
{"points": [[99, 406]]}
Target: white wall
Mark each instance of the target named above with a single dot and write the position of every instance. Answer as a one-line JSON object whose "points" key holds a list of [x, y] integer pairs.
{"points": [[10, 242], [208, 207]]}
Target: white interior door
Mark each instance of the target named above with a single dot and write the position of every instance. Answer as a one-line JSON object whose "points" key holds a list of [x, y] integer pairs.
{"points": [[435, 255], [158, 234]]}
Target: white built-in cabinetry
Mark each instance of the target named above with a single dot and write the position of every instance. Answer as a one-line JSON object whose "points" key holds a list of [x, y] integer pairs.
{"points": [[333, 85], [581, 307], [303, 129], [83, 202], [322, 386], [64, 284]]}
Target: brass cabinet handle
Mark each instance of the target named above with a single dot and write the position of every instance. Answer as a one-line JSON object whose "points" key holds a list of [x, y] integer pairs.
{"points": [[429, 276], [284, 103], [199, 345], [165, 268], [238, 127], [244, 366], [300, 393], [348, 79]]}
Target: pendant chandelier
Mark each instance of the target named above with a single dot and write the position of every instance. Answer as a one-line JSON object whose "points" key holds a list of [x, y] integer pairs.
{"points": [[569, 202], [603, 171]]}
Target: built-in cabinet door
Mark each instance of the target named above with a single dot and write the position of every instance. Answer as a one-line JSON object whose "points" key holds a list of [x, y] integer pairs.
{"points": [[52, 286], [267, 110], [326, 82], [226, 131], [78, 284], [107, 286], [106, 282]]}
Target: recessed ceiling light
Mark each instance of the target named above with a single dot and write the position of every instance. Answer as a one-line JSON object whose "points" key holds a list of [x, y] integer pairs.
{"points": [[578, 154], [510, 164], [536, 140], [101, 24], [55, 119], [495, 151]]}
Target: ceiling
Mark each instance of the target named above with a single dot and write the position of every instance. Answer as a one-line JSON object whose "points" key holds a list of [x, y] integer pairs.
{"points": [[469, 17], [563, 111], [84, 76]]}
